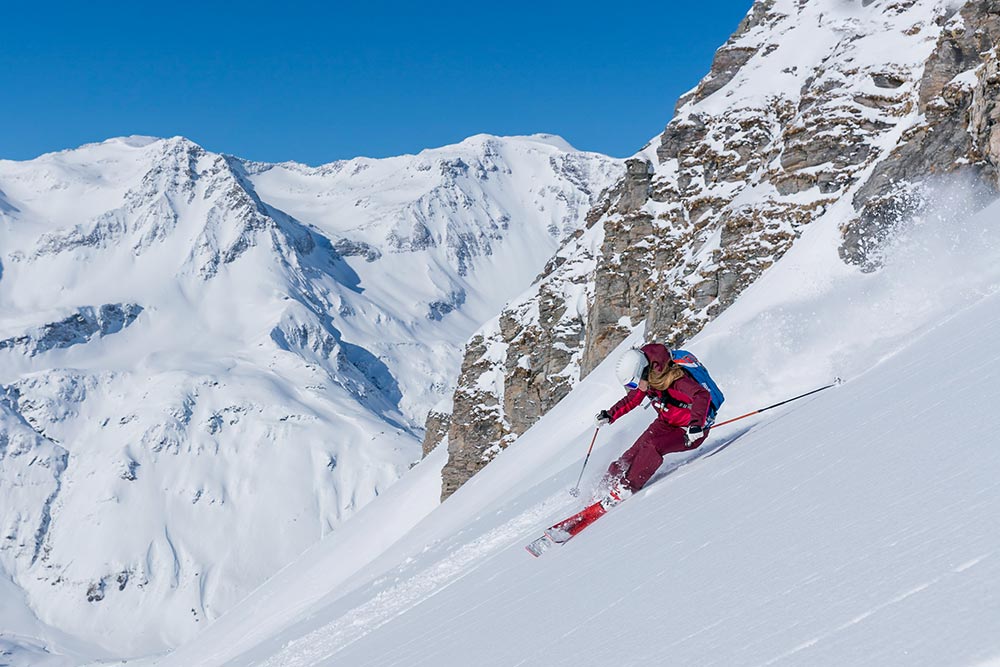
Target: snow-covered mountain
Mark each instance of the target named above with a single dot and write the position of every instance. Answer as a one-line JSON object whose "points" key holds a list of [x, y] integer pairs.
{"points": [[207, 364]]}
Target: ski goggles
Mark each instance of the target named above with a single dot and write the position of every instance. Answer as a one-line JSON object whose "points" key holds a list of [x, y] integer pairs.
{"points": [[634, 384]]}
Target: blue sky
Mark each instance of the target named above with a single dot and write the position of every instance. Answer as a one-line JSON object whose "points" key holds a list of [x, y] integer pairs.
{"points": [[315, 82]]}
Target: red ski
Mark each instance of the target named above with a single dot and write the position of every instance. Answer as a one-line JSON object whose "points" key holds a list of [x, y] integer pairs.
{"points": [[564, 530], [567, 528]]}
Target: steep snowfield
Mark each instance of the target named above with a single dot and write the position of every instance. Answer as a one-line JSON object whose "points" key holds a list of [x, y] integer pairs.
{"points": [[206, 365], [854, 527], [24, 640]]}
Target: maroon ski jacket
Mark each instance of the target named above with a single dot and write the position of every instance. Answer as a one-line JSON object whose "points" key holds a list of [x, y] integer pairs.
{"points": [[684, 403]]}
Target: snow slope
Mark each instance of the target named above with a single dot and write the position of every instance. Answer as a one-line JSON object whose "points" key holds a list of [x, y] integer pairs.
{"points": [[854, 527], [206, 365], [25, 640]]}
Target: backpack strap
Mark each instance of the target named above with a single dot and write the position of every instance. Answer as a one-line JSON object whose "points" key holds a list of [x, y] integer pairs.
{"points": [[666, 399]]}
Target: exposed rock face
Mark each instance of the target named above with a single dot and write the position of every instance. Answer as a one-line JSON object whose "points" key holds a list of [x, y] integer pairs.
{"points": [[807, 105], [520, 364], [619, 295], [732, 55], [348, 248], [435, 430], [477, 418], [960, 133], [76, 329], [35, 465]]}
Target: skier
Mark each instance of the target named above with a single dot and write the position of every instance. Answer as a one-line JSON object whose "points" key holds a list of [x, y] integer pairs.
{"points": [[682, 407]]}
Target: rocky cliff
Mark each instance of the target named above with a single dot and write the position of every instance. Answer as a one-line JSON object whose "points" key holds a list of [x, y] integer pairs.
{"points": [[851, 109]]}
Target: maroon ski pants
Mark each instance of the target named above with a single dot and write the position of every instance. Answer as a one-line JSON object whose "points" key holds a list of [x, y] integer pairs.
{"points": [[641, 460]]}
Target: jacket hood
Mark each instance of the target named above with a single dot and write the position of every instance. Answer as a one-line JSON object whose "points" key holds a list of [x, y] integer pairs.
{"points": [[658, 355]]}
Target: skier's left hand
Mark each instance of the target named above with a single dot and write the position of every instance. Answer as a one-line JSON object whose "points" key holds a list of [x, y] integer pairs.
{"points": [[693, 434]]}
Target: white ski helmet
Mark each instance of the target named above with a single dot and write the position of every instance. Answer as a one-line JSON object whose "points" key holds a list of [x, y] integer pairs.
{"points": [[631, 368]]}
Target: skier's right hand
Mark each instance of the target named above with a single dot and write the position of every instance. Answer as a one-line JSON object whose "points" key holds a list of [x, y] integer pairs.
{"points": [[601, 418]]}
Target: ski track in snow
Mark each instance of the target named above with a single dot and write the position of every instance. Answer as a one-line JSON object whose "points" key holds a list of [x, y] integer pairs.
{"points": [[326, 641]]}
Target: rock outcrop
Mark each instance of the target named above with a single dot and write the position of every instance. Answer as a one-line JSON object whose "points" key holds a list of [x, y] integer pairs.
{"points": [[958, 98], [519, 365], [80, 327]]}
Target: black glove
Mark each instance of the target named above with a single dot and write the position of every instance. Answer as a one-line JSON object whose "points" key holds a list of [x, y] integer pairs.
{"points": [[693, 434], [601, 418]]}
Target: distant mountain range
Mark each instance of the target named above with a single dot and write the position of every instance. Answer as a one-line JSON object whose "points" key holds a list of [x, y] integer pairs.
{"points": [[207, 364]]}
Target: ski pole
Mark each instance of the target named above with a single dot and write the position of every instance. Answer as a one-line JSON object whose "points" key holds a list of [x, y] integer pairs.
{"points": [[575, 491], [757, 412]]}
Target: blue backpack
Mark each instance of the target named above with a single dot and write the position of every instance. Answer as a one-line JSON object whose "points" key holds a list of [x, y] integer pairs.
{"points": [[690, 363]]}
